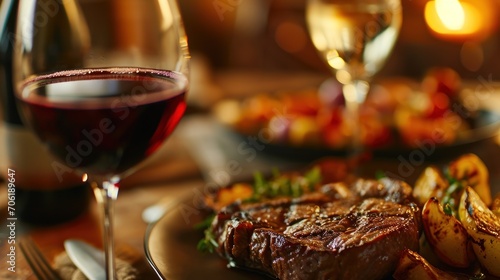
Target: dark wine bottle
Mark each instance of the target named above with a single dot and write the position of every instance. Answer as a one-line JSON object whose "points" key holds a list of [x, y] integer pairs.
{"points": [[43, 196]]}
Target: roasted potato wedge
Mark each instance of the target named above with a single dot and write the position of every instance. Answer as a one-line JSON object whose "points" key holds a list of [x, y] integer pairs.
{"points": [[226, 196], [483, 227], [495, 206], [431, 183], [446, 235], [412, 266], [471, 171]]}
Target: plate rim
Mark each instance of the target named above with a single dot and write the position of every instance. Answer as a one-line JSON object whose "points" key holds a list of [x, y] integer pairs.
{"points": [[147, 252], [167, 208]]}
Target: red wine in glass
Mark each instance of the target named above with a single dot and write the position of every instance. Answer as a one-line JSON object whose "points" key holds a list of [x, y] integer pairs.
{"points": [[104, 121]]}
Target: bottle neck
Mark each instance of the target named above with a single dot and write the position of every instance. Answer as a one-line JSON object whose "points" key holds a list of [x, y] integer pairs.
{"points": [[8, 14]]}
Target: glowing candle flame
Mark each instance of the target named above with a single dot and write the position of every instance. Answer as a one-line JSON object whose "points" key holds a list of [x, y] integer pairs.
{"points": [[451, 13], [456, 18]]}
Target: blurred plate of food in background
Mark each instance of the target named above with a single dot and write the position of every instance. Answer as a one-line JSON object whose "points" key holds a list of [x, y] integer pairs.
{"points": [[399, 114]]}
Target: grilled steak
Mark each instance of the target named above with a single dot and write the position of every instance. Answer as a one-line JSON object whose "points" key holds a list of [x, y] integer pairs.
{"points": [[355, 231]]}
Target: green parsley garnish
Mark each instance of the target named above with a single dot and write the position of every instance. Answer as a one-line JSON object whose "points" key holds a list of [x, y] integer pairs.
{"points": [[205, 223], [455, 186], [208, 243], [379, 174], [283, 185]]}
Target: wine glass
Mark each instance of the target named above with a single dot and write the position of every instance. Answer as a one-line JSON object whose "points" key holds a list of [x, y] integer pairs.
{"points": [[102, 84], [354, 37]]}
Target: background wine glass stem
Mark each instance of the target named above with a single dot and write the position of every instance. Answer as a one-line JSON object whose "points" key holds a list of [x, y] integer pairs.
{"points": [[355, 95]]}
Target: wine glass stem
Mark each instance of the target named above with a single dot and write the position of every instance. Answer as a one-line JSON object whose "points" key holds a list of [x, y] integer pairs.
{"points": [[106, 194], [355, 95]]}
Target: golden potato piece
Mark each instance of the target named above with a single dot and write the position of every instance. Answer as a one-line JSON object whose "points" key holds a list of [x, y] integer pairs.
{"points": [[483, 227], [226, 196], [495, 206], [446, 235], [431, 183], [470, 169], [412, 266]]}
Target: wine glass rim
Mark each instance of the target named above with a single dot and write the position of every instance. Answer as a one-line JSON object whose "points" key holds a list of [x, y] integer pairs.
{"points": [[92, 74]]}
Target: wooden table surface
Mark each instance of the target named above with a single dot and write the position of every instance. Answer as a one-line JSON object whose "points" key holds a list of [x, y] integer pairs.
{"points": [[173, 171]]}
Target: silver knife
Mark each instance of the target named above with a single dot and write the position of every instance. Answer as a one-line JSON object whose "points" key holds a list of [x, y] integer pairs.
{"points": [[87, 258]]}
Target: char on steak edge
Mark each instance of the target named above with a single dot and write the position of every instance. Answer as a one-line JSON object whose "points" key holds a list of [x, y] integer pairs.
{"points": [[342, 231]]}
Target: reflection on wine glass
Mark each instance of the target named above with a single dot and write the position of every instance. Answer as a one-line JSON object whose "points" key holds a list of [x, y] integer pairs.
{"points": [[355, 37], [102, 93]]}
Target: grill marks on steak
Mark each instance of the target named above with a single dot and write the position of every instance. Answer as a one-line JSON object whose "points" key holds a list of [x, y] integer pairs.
{"points": [[339, 232]]}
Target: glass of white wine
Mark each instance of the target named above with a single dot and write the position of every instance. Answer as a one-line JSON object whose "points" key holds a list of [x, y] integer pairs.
{"points": [[354, 37]]}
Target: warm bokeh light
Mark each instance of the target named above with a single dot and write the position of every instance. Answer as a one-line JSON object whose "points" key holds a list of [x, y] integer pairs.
{"points": [[472, 56], [453, 17], [290, 36], [461, 20], [85, 177], [334, 60], [451, 13]]}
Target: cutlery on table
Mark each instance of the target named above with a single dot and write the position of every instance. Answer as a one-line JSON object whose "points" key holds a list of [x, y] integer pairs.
{"points": [[39, 265], [87, 258]]}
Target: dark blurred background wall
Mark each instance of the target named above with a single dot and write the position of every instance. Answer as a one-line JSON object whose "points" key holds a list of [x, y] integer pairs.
{"points": [[271, 35]]}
